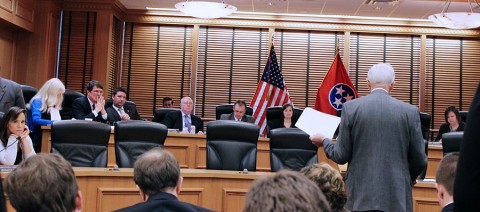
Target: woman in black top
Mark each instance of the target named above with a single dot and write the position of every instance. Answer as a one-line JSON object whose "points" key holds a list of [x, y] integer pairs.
{"points": [[286, 120], [453, 123]]}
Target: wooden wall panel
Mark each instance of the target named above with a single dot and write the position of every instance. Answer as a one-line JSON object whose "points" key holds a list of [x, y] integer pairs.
{"points": [[7, 52], [19, 13]]}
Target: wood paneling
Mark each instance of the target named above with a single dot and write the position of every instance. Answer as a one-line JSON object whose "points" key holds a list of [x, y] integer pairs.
{"points": [[7, 53], [19, 13]]}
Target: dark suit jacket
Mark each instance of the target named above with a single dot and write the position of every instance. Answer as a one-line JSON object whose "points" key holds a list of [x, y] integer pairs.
{"points": [[173, 120], [164, 202], [129, 108], [82, 109], [467, 183], [448, 208], [10, 95], [231, 116]]}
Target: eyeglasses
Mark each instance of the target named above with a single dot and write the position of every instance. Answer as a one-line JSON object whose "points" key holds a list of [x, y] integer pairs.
{"points": [[187, 103], [97, 91]]}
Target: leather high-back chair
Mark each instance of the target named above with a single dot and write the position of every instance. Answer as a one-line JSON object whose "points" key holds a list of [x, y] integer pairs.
{"points": [[135, 137], [82, 143], [291, 148], [227, 109], [451, 142], [160, 113], [275, 113], [425, 120], [232, 145], [1, 116], [68, 97], [463, 115], [28, 93]]}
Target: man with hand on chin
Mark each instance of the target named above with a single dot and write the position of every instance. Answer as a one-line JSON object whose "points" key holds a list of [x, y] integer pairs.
{"points": [[91, 106]]}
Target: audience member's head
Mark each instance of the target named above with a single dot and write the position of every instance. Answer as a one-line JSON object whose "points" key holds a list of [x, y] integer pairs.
{"points": [[186, 105], [51, 95], [13, 122], [445, 178], [285, 191], [44, 182], [381, 75], [119, 97], [330, 182], [452, 116], [94, 90], [287, 111], [239, 109], [157, 171], [167, 102]]}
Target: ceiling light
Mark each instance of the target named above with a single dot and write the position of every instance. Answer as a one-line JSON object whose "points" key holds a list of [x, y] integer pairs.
{"points": [[205, 9], [456, 20]]}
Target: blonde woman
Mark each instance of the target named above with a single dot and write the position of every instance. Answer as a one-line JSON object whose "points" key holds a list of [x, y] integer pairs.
{"points": [[44, 108]]}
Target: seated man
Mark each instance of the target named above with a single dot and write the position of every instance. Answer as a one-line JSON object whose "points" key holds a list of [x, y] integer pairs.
{"points": [[239, 109], [44, 182], [91, 106], [157, 175], [167, 102], [284, 192], [184, 120], [445, 178], [121, 110]]}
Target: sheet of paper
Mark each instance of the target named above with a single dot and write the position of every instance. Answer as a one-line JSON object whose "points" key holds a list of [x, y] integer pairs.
{"points": [[55, 114], [314, 122]]}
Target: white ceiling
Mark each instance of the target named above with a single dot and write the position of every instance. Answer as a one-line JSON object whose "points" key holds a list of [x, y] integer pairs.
{"points": [[411, 9]]}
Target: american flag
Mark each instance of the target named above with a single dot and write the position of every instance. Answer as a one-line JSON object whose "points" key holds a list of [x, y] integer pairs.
{"points": [[271, 91]]}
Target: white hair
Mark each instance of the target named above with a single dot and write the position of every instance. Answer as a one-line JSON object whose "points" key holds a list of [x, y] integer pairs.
{"points": [[48, 93], [381, 73]]}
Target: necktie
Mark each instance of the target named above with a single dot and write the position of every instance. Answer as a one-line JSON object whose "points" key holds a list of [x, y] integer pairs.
{"points": [[93, 107], [187, 123], [120, 110]]}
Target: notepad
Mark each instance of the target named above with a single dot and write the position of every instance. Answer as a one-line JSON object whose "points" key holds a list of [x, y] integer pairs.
{"points": [[315, 122]]}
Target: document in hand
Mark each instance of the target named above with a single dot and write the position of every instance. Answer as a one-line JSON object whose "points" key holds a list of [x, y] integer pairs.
{"points": [[315, 122]]}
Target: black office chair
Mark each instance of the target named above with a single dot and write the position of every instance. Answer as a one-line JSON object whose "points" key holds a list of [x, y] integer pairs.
{"points": [[232, 145], [68, 97], [82, 143], [160, 113], [291, 148], [275, 113], [463, 115], [133, 138], [227, 109], [451, 142], [28, 93], [1, 116]]}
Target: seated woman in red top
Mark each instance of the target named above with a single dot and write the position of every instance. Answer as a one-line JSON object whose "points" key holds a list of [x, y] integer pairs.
{"points": [[452, 123]]}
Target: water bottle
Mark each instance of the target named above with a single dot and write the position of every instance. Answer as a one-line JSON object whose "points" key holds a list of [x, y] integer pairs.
{"points": [[192, 129]]}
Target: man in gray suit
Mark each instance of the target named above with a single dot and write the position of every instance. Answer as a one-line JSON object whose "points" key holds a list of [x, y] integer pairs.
{"points": [[239, 109], [381, 140], [10, 95]]}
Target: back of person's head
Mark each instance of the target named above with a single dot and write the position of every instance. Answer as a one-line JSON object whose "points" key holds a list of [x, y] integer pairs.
{"points": [[44, 182], [49, 94], [454, 110], [330, 182], [156, 171], [446, 171], [381, 73], [12, 114], [94, 83], [285, 191]]}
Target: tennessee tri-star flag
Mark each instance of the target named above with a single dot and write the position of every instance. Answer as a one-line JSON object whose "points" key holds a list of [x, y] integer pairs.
{"points": [[335, 90], [271, 91]]}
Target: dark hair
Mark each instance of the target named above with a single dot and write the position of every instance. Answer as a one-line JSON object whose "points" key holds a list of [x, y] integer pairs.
{"points": [[285, 191], [119, 89], [155, 171], [330, 182], [166, 99], [43, 182], [11, 115], [240, 103], [94, 83], [284, 107], [446, 171], [455, 111]]}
